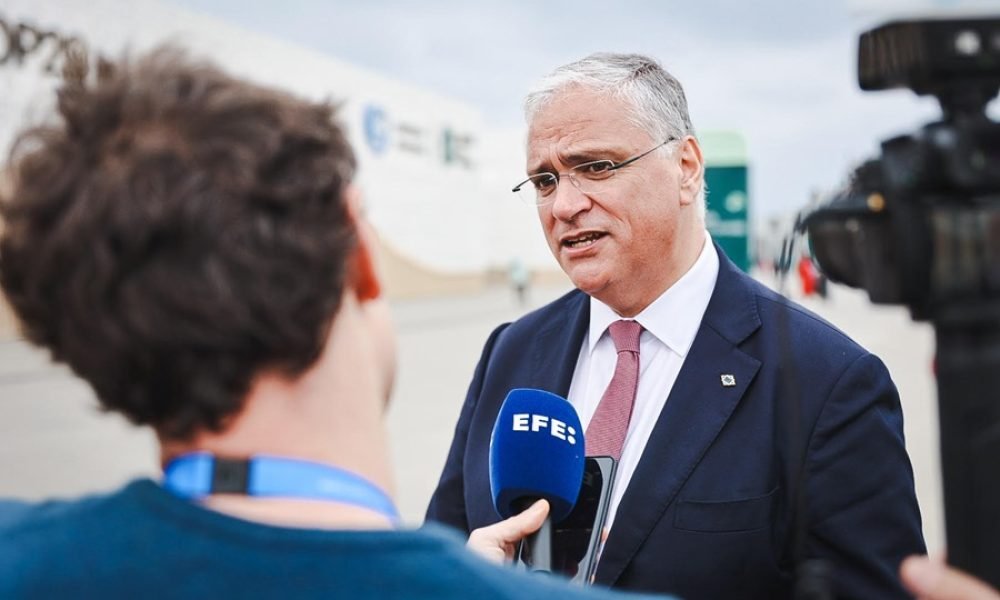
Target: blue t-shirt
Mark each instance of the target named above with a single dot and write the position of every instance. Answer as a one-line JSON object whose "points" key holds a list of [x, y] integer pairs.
{"points": [[142, 541]]}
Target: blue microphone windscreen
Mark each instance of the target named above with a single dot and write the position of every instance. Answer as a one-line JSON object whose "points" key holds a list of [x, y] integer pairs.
{"points": [[537, 451]]}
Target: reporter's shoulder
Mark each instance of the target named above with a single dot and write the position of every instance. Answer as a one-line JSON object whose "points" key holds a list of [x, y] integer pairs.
{"points": [[20, 520], [29, 524], [36, 537]]}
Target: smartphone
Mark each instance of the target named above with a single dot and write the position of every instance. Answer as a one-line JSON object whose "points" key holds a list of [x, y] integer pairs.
{"points": [[577, 538]]}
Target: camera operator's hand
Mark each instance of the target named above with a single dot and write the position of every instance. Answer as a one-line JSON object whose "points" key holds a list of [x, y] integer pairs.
{"points": [[497, 542], [929, 579]]}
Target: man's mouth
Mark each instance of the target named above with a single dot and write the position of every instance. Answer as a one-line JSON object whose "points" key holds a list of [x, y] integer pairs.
{"points": [[583, 240]]}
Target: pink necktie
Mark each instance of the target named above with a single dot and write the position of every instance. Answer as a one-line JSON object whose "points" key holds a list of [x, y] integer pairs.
{"points": [[606, 433]]}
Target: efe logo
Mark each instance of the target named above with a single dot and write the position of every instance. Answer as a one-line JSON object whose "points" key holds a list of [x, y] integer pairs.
{"points": [[536, 423]]}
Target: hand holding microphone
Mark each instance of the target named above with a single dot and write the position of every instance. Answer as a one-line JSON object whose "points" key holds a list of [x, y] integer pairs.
{"points": [[498, 542], [536, 453]]}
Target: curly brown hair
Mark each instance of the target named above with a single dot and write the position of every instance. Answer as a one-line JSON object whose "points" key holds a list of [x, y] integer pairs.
{"points": [[176, 232]]}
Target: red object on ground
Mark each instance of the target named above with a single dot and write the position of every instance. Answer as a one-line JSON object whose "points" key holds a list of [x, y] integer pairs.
{"points": [[808, 275]]}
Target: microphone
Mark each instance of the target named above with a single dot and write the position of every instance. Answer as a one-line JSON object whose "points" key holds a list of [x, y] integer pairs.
{"points": [[536, 452]]}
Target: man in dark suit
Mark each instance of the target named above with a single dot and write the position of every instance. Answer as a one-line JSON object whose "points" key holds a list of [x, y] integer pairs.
{"points": [[750, 434]]}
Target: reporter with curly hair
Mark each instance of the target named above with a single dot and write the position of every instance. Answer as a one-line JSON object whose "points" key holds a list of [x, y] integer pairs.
{"points": [[190, 244]]}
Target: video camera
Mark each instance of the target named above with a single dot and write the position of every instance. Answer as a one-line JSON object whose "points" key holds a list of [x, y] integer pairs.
{"points": [[920, 226]]}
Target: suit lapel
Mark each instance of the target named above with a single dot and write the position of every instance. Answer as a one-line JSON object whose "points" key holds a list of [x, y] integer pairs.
{"points": [[557, 347], [697, 409]]}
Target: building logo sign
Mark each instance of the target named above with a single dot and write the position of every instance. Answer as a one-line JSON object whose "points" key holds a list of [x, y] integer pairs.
{"points": [[383, 134], [376, 129]]}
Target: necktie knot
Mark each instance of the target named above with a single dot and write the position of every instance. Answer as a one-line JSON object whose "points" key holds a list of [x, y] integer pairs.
{"points": [[625, 335]]}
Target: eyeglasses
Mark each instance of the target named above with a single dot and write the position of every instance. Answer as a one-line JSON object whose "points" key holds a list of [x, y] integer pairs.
{"points": [[539, 189]]}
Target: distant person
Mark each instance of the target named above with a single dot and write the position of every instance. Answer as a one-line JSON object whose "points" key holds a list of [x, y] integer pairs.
{"points": [[520, 279], [678, 364], [808, 275], [814, 281], [822, 285], [190, 244]]}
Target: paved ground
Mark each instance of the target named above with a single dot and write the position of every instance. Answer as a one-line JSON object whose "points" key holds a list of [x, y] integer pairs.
{"points": [[55, 440]]}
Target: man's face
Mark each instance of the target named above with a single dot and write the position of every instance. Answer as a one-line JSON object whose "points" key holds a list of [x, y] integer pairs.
{"points": [[621, 244]]}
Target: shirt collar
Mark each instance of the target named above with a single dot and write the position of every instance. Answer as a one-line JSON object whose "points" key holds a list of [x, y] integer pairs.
{"points": [[675, 316]]}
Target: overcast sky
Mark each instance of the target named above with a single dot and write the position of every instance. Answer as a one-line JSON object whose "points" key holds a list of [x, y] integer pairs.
{"points": [[779, 71]]}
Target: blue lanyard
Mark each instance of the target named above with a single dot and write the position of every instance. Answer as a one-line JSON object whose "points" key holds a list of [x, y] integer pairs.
{"points": [[196, 475]]}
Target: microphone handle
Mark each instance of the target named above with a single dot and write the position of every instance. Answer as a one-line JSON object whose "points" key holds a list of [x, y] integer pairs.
{"points": [[535, 550]]}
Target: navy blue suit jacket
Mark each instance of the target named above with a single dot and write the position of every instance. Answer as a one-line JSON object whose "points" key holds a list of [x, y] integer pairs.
{"points": [[710, 509]]}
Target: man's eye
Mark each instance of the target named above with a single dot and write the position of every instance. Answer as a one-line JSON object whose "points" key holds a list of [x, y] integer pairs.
{"points": [[598, 168], [544, 182]]}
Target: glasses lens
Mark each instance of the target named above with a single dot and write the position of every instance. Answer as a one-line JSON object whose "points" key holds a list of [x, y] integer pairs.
{"points": [[598, 170], [538, 189], [591, 177]]}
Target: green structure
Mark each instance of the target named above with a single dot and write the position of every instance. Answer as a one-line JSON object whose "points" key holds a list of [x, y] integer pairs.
{"points": [[727, 215]]}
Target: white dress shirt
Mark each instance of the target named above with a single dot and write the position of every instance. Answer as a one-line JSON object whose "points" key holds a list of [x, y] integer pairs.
{"points": [[669, 326]]}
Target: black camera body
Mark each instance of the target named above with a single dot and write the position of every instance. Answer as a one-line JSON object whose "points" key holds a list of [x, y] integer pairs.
{"points": [[920, 226]]}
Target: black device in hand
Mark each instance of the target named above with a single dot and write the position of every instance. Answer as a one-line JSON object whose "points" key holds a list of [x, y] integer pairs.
{"points": [[574, 542]]}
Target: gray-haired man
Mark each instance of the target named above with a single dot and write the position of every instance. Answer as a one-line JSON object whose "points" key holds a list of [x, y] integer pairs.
{"points": [[704, 503]]}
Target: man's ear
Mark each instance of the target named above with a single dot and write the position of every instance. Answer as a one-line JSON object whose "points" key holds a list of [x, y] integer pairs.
{"points": [[363, 276], [692, 169]]}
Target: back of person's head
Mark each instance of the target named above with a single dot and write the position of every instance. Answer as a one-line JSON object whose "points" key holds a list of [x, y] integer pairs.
{"points": [[175, 232]]}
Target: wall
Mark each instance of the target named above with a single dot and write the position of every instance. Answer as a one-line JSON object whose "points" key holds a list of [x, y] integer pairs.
{"points": [[420, 154]]}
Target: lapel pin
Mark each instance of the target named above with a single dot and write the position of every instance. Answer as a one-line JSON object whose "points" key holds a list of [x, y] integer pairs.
{"points": [[728, 380]]}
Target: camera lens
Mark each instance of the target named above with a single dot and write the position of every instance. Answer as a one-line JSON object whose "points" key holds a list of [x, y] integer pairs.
{"points": [[968, 42]]}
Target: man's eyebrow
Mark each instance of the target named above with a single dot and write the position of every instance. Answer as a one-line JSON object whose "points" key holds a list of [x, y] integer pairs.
{"points": [[542, 167], [575, 157], [582, 155]]}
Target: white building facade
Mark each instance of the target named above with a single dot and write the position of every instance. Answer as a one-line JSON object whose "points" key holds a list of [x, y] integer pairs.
{"points": [[436, 182]]}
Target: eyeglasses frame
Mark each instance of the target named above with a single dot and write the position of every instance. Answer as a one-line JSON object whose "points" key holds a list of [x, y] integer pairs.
{"points": [[614, 167]]}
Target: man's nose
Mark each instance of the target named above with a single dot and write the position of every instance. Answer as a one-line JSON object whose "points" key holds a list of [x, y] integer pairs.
{"points": [[569, 200]]}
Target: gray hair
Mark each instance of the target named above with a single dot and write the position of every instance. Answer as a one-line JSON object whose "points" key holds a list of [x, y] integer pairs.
{"points": [[656, 98]]}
